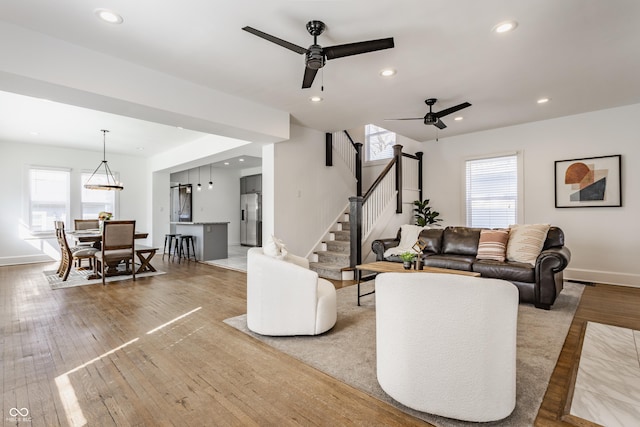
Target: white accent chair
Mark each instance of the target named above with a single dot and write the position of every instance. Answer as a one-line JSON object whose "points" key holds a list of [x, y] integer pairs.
{"points": [[284, 297], [446, 344]]}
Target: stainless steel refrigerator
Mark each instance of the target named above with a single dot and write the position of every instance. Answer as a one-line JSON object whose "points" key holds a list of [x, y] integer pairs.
{"points": [[251, 219]]}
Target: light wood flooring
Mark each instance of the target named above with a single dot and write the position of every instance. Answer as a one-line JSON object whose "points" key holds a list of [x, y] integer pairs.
{"points": [[156, 352]]}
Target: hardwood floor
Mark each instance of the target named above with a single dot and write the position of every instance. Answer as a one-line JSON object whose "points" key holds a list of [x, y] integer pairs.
{"points": [[156, 352]]}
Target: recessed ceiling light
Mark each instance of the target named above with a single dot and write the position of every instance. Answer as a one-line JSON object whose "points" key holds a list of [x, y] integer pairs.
{"points": [[505, 27], [241, 160], [34, 133], [458, 118], [109, 16], [388, 72], [226, 163], [180, 127], [139, 148], [543, 100], [315, 98]]}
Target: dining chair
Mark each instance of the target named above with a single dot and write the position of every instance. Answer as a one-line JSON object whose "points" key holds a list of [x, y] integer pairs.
{"points": [[69, 254], [117, 246], [86, 224]]}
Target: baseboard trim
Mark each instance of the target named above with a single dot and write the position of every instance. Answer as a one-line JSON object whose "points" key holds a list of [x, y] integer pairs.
{"points": [[605, 277], [25, 259]]}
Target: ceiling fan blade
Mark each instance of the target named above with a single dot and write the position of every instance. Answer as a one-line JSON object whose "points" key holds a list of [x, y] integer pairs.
{"points": [[412, 118], [439, 124], [309, 75], [349, 49], [276, 40], [452, 109]]}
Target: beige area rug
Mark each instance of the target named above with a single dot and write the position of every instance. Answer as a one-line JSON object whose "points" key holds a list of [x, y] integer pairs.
{"points": [[348, 351], [80, 278]]}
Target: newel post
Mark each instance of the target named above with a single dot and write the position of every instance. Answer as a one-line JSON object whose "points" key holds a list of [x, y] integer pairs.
{"points": [[419, 155], [355, 223], [358, 146], [328, 148], [397, 154]]}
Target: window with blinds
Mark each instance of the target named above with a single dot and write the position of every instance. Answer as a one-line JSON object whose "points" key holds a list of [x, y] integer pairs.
{"points": [[95, 201], [492, 192], [48, 198]]}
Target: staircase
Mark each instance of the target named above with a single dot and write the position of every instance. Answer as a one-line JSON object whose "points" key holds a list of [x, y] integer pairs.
{"points": [[332, 260]]}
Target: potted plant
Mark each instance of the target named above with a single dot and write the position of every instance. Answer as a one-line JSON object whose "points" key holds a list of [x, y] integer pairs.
{"points": [[423, 213], [407, 259]]}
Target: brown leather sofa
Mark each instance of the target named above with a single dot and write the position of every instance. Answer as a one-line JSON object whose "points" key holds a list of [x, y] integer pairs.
{"points": [[456, 248]]}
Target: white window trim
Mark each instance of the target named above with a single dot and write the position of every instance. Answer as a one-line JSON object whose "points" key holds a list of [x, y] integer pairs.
{"points": [[463, 182], [26, 211], [116, 201]]}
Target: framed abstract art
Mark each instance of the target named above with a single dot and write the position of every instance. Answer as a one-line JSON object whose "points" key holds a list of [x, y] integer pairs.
{"points": [[589, 182]]}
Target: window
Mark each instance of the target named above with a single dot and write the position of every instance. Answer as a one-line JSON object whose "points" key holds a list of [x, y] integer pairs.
{"points": [[379, 143], [492, 192], [95, 201], [48, 198]]}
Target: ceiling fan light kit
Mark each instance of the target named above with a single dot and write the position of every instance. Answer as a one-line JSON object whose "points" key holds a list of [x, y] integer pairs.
{"points": [[316, 55]]}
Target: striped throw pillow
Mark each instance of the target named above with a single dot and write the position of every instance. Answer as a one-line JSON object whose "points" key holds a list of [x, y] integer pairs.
{"points": [[526, 242], [493, 244]]}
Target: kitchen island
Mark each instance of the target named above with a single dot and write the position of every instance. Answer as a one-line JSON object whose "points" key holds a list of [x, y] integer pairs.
{"points": [[210, 238]]}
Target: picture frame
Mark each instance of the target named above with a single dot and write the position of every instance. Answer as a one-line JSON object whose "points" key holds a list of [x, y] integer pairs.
{"points": [[589, 182]]}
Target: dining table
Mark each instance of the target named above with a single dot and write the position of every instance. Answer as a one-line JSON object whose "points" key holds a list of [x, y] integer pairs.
{"points": [[144, 253]]}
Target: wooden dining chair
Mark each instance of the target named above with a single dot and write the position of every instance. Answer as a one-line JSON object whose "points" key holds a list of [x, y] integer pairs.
{"points": [[86, 224], [117, 246], [69, 254]]}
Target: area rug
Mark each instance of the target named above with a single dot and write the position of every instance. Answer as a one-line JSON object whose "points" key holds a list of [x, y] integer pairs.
{"points": [[80, 278], [348, 351]]}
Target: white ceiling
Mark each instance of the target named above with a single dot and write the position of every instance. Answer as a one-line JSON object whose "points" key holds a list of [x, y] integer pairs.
{"points": [[583, 54]]}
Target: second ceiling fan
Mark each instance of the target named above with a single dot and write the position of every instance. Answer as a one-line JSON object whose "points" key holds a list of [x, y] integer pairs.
{"points": [[316, 55], [433, 118]]}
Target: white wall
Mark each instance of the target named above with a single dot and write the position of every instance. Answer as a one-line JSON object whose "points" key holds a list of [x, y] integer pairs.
{"points": [[15, 158], [604, 242], [221, 203], [371, 170], [307, 196]]}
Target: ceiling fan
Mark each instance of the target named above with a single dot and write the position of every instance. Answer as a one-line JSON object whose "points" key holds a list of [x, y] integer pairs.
{"points": [[432, 118], [316, 55]]}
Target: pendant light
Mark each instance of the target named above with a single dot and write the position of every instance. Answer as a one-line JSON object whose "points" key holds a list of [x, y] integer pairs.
{"points": [[111, 184], [210, 180], [199, 187]]}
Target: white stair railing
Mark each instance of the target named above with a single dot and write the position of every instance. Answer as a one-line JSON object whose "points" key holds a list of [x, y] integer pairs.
{"points": [[343, 146], [377, 202]]}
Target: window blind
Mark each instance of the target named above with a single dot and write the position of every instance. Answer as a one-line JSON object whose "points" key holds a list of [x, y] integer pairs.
{"points": [[492, 191]]}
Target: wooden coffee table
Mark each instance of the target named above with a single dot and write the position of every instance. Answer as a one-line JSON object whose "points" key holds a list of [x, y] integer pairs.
{"points": [[398, 267]]}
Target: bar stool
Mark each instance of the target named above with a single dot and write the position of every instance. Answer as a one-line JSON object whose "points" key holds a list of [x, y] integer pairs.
{"points": [[170, 239], [183, 244]]}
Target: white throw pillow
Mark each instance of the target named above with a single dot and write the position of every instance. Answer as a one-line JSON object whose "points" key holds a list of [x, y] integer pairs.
{"points": [[409, 235], [274, 247], [526, 242]]}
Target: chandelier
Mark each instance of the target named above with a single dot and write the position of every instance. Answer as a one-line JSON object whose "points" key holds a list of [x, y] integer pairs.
{"points": [[97, 183]]}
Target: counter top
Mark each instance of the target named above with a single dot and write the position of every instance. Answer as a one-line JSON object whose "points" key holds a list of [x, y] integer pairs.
{"points": [[198, 223]]}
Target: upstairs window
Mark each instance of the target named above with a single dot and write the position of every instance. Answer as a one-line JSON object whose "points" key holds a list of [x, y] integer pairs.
{"points": [[379, 143], [48, 198], [492, 192], [95, 201]]}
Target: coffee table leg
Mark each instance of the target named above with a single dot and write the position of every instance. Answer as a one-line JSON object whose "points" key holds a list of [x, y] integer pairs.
{"points": [[358, 274]]}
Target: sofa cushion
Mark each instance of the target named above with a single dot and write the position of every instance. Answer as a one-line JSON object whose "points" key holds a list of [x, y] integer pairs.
{"points": [[431, 239], [455, 262], [526, 242], [511, 271], [493, 244], [460, 240]]}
